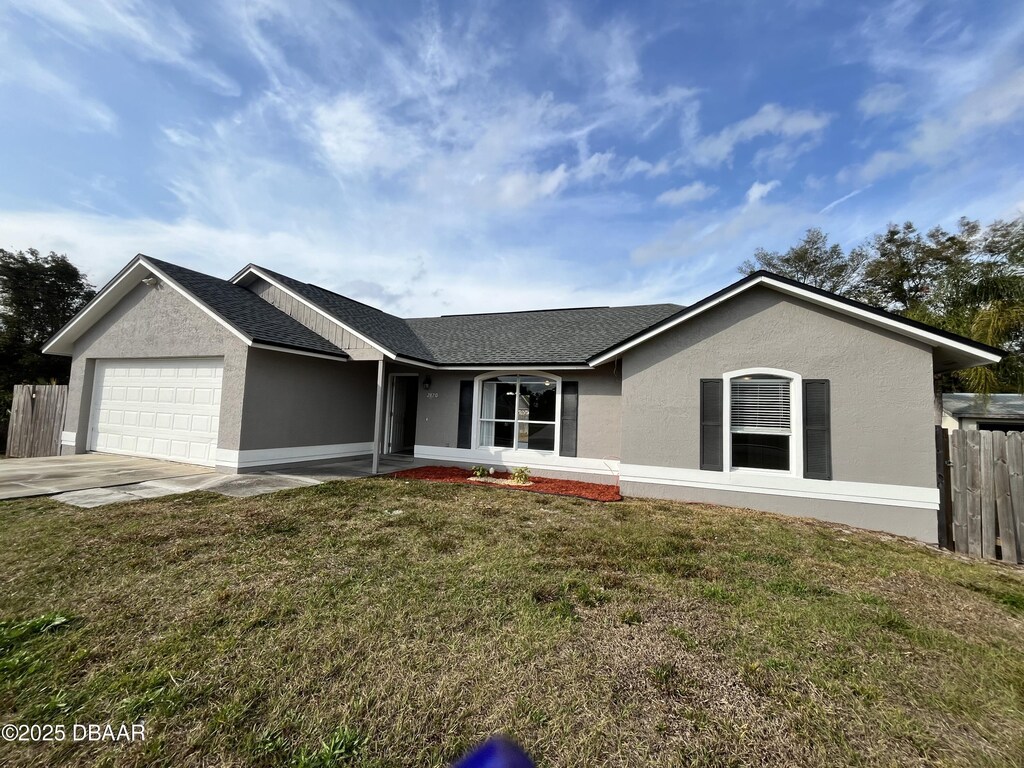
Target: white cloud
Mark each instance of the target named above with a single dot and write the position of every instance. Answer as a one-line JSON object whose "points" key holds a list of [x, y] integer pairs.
{"points": [[841, 200], [951, 135], [150, 31], [522, 188], [882, 99], [637, 166], [596, 165], [23, 74], [759, 191], [355, 139], [715, 238], [770, 120], [690, 193]]}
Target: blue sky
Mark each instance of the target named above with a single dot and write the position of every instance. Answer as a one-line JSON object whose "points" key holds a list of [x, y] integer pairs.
{"points": [[455, 157]]}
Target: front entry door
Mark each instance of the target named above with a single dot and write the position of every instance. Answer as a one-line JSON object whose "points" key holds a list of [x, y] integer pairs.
{"points": [[402, 413]]}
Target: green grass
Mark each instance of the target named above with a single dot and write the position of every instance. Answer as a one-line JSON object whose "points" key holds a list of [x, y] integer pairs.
{"points": [[395, 623]]}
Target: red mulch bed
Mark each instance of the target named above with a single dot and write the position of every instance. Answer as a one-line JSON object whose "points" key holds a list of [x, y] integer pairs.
{"points": [[592, 491]]}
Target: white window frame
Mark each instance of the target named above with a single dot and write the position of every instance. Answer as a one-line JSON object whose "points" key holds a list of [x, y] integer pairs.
{"points": [[477, 398], [796, 415]]}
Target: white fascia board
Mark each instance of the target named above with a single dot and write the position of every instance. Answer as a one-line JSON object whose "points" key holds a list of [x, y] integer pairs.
{"points": [[436, 367], [892, 324], [282, 287], [517, 368], [932, 339], [417, 363], [289, 351], [616, 351]]}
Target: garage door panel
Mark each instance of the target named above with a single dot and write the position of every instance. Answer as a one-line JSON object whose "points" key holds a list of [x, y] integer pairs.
{"points": [[160, 408]]}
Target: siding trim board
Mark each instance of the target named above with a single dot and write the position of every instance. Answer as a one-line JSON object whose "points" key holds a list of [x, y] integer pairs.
{"points": [[504, 457], [252, 270], [289, 350], [783, 485], [259, 457]]}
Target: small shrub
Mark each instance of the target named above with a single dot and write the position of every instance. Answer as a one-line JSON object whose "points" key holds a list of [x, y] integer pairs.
{"points": [[479, 471], [521, 476]]}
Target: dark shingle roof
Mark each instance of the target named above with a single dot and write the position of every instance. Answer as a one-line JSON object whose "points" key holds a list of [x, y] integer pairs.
{"points": [[994, 406], [390, 332], [260, 321], [548, 337]]}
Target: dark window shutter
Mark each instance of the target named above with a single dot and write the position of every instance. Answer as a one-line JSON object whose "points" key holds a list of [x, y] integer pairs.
{"points": [[817, 430], [570, 412], [711, 424], [465, 414]]}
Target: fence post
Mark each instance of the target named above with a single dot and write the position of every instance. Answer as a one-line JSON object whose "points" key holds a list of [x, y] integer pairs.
{"points": [[942, 476], [988, 500], [1001, 492], [1015, 469], [958, 488], [974, 493]]}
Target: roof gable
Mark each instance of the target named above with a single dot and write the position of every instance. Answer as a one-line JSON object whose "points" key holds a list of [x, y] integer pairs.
{"points": [[244, 314], [957, 351], [388, 333]]}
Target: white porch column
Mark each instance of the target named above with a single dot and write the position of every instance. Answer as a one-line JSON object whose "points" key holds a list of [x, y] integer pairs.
{"points": [[377, 418]]}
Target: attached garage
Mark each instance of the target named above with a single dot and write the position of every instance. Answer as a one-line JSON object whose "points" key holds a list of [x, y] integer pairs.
{"points": [[162, 409]]}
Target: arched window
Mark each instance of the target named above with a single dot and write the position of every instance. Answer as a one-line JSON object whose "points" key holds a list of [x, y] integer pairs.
{"points": [[518, 411], [761, 422]]}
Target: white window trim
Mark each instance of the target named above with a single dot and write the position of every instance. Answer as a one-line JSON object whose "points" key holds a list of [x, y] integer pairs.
{"points": [[477, 390], [796, 410]]}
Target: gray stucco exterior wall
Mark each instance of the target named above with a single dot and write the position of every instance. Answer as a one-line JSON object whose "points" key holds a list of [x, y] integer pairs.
{"points": [[881, 385], [297, 400], [156, 322], [918, 524], [598, 428]]}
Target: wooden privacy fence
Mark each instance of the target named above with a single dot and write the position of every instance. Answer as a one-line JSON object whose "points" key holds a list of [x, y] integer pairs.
{"points": [[986, 476], [37, 418]]}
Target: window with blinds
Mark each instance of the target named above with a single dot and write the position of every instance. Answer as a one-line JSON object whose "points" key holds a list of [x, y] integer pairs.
{"points": [[760, 423], [760, 406]]}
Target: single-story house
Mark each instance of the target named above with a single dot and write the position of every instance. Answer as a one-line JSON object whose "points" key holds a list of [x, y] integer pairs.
{"points": [[998, 413], [767, 394]]}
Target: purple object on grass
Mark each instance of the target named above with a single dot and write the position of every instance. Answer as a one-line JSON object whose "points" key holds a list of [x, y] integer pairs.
{"points": [[496, 752]]}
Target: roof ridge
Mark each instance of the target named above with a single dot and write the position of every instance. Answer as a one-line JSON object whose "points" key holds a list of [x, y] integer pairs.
{"points": [[552, 309]]}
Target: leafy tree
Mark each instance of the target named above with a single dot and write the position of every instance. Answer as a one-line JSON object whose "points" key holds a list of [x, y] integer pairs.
{"points": [[813, 261], [38, 295], [904, 266], [970, 282]]}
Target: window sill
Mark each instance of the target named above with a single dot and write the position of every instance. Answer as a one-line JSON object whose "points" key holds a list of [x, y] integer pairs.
{"points": [[755, 471]]}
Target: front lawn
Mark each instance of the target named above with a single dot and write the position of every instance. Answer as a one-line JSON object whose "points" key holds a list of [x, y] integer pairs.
{"points": [[389, 622]]}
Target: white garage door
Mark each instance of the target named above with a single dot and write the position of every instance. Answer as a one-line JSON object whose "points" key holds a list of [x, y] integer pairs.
{"points": [[163, 409]]}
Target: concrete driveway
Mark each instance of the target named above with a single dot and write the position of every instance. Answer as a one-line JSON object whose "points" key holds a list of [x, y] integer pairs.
{"points": [[59, 474], [95, 480]]}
